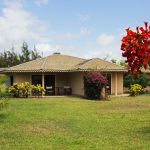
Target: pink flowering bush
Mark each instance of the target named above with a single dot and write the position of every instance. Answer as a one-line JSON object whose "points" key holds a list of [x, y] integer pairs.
{"points": [[93, 84]]}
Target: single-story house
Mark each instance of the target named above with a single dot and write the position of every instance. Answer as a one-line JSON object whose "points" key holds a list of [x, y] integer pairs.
{"points": [[59, 72]]}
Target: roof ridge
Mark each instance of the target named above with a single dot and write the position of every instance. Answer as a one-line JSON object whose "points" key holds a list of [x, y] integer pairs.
{"points": [[44, 62], [109, 62], [71, 56], [81, 63]]}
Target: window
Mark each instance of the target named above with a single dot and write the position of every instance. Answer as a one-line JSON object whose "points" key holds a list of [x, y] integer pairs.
{"points": [[36, 79]]}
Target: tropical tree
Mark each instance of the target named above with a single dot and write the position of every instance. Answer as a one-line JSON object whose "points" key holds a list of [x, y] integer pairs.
{"points": [[35, 54], [11, 58], [136, 48], [25, 56], [114, 61]]}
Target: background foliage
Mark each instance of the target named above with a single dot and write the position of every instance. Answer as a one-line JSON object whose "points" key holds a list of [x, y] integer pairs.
{"points": [[143, 80], [11, 58]]}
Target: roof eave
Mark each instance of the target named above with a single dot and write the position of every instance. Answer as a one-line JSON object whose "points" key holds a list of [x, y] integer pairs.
{"points": [[69, 70]]}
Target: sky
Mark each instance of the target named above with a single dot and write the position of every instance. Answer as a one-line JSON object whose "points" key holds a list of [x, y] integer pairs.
{"points": [[82, 28]]}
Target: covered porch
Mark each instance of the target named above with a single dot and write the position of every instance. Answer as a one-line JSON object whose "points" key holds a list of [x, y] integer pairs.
{"points": [[66, 83], [55, 83]]}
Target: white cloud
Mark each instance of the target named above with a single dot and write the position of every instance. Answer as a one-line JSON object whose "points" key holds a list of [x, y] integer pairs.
{"points": [[108, 45], [112, 53], [104, 39], [47, 49], [67, 37], [41, 2], [18, 25]]}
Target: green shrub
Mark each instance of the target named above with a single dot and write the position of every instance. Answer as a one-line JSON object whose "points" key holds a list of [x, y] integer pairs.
{"points": [[14, 90], [19, 90], [135, 89], [37, 90], [24, 89]]}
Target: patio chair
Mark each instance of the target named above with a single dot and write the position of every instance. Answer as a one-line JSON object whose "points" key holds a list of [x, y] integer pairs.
{"points": [[67, 90], [49, 90]]}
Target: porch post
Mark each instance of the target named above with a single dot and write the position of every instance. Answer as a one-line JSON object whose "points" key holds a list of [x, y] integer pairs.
{"points": [[43, 82], [111, 84], [116, 85]]}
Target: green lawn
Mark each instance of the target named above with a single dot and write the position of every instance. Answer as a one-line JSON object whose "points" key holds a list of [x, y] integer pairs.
{"points": [[76, 124]]}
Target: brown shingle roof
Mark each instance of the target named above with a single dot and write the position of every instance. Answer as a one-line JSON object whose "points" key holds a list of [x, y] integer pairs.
{"points": [[64, 63], [99, 64], [2, 69]]}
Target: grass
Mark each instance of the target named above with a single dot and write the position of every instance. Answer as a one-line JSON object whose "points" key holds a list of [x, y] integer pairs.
{"points": [[76, 124]]}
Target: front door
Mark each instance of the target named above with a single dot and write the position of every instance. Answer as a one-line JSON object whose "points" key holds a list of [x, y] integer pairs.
{"points": [[49, 84]]}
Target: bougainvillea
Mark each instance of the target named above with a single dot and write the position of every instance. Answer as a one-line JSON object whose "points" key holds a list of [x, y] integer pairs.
{"points": [[95, 77], [136, 48], [93, 84]]}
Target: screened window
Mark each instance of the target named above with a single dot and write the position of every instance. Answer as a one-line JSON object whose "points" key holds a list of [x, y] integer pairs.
{"points": [[36, 79]]}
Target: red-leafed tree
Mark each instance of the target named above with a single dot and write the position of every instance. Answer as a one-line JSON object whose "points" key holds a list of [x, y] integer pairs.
{"points": [[136, 48]]}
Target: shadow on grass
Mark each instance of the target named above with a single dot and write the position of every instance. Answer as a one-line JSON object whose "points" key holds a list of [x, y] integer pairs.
{"points": [[145, 130], [96, 100], [3, 116]]}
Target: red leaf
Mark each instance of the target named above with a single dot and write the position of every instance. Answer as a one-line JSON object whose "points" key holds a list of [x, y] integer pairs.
{"points": [[136, 48]]}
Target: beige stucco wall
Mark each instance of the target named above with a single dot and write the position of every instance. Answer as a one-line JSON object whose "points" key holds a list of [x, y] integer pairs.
{"points": [[22, 77], [119, 83], [76, 82], [61, 79]]}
